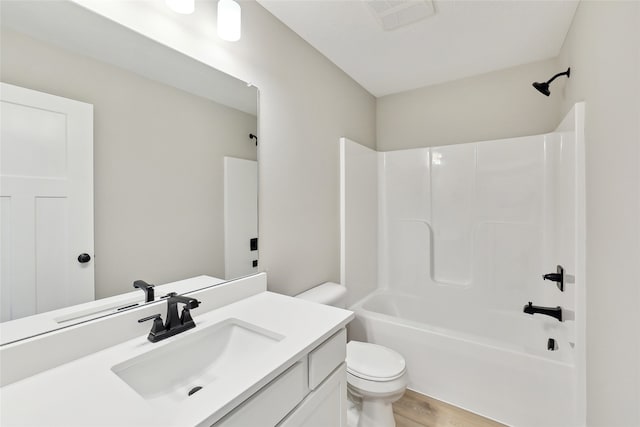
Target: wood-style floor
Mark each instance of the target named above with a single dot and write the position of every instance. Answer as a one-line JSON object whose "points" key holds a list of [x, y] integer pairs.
{"points": [[418, 410]]}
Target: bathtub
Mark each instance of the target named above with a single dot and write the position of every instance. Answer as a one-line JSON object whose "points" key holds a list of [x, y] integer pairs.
{"points": [[493, 363]]}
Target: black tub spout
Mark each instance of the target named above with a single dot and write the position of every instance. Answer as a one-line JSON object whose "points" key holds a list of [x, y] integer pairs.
{"points": [[547, 311]]}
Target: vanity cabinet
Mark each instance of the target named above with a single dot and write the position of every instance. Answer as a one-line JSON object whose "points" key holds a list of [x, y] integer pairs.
{"points": [[312, 392], [263, 360]]}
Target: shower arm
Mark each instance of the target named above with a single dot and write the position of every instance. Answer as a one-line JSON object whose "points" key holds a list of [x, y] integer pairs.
{"points": [[566, 73]]}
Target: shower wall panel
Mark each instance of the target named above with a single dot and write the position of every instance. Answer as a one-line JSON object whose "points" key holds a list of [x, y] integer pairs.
{"points": [[470, 224], [476, 221], [405, 214], [453, 213], [359, 219]]}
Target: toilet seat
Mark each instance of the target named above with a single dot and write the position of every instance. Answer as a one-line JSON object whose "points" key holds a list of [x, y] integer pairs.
{"points": [[374, 362], [377, 389]]}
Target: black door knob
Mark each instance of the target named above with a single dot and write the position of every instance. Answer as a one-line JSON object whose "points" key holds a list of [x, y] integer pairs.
{"points": [[82, 258]]}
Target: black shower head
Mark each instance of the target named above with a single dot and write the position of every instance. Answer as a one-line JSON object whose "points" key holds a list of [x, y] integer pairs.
{"points": [[543, 88]]}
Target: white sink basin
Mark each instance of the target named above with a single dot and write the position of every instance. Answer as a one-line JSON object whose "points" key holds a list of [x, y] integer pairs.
{"points": [[202, 360]]}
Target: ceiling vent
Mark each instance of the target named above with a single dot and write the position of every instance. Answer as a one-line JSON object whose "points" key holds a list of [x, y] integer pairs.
{"points": [[393, 14]]}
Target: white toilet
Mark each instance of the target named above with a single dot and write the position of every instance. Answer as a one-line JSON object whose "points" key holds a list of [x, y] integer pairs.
{"points": [[376, 375]]}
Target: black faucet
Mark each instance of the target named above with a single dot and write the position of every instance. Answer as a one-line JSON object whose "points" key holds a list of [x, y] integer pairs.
{"points": [[146, 288], [548, 311], [175, 324]]}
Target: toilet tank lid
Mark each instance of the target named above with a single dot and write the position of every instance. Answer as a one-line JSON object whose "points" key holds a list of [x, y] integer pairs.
{"points": [[328, 293]]}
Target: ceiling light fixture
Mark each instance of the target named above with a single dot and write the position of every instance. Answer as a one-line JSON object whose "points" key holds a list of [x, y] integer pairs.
{"points": [[185, 7], [229, 20]]}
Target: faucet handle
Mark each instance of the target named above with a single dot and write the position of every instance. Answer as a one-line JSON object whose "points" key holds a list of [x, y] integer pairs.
{"points": [[155, 316], [185, 317], [557, 277], [158, 326]]}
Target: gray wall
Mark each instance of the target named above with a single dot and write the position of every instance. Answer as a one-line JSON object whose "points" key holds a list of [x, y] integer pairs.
{"points": [[496, 105], [603, 50], [158, 164]]}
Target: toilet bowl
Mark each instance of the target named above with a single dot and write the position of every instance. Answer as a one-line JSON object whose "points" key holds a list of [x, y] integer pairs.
{"points": [[376, 375]]}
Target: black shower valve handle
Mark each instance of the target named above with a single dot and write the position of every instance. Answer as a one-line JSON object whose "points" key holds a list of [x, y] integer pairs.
{"points": [[557, 277]]}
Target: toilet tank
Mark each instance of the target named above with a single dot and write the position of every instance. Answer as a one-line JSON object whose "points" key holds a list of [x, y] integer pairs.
{"points": [[328, 293]]}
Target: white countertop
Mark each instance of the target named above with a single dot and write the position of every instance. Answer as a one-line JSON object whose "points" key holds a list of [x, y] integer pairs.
{"points": [[86, 392]]}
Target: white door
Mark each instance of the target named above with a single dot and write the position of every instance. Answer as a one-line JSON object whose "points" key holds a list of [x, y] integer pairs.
{"points": [[46, 202], [240, 217]]}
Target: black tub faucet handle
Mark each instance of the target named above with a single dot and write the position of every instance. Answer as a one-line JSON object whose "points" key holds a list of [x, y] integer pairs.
{"points": [[557, 277]]}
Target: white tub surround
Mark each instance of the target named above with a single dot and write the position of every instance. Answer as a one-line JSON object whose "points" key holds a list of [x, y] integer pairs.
{"points": [[464, 234], [91, 390]]}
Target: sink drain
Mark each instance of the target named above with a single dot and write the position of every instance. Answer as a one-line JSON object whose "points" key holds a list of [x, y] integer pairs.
{"points": [[193, 390]]}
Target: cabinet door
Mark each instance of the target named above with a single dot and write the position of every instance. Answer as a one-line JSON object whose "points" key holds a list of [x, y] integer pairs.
{"points": [[325, 406]]}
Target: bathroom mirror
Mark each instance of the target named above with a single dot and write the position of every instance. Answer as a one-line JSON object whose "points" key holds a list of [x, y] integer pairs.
{"points": [[173, 169]]}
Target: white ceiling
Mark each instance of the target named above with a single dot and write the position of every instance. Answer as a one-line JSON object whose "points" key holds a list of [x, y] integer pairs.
{"points": [[462, 39]]}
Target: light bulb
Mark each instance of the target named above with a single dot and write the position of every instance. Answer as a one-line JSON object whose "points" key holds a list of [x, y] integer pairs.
{"points": [[229, 20], [185, 7]]}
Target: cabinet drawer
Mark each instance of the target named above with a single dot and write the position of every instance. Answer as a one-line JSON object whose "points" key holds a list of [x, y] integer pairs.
{"points": [[272, 402], [326, 357]]}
